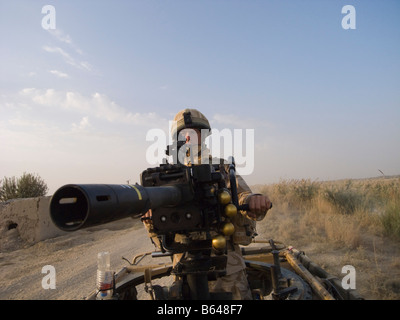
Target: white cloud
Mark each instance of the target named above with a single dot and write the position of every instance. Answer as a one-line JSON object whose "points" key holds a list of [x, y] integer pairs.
{"points": [[98, 105], [72, 137], [68, 58], [65, 38], [48, 98], [83, 125], [60, 35], [65, 55], [85, 65], [27, 91], [68, 45], [59, 74]]}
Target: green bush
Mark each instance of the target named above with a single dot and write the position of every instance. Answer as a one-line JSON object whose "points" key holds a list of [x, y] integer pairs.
{"points": [[390, 218], [345, 200], [27, 186], [296, 193], [305, 190]]}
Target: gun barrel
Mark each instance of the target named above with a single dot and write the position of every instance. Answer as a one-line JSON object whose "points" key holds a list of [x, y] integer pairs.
{"points": [[77, 206]]}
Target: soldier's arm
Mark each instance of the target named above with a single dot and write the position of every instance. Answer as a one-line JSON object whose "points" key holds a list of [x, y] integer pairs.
{"points": [[258, 204]]}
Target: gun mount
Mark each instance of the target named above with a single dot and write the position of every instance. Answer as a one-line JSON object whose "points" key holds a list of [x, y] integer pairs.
{"points": [[186, 201]]}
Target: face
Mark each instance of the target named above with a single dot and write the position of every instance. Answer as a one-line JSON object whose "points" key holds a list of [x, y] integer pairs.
{"points": [[191, 136]]}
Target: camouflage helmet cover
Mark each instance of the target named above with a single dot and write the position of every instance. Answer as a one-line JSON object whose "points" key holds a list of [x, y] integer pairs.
{"points": [[189, 118]]}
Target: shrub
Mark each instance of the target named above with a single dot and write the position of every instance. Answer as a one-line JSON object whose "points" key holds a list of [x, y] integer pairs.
{"points": [[345, 199], [27, 186], [8, 189], [294, 193], [304, 191], [390, 219]]}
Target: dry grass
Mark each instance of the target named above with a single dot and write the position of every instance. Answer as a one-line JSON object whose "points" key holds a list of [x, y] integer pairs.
{"points": [[352, 222]]}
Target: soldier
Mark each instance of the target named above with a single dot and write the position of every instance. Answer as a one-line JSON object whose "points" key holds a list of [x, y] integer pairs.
{"points": [[191, 126]]}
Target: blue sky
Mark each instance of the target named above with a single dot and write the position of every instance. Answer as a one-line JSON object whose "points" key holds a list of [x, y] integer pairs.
{"points": [[76, 102]]}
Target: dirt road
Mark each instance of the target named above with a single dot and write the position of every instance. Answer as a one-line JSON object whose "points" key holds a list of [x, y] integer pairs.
{"points": [[74, 257]]}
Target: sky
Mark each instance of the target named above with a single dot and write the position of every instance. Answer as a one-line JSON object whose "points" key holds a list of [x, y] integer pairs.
{"points": [[82, 86]]}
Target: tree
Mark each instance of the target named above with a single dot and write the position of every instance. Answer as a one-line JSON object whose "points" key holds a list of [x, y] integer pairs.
{"points": [[8, 189], [27, 186]]}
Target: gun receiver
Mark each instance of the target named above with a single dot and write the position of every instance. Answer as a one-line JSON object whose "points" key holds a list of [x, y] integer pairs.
{"points": [[182, 199]]}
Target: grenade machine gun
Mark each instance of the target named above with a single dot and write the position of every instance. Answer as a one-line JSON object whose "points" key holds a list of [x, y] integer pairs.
{"points": [[185, 200]]}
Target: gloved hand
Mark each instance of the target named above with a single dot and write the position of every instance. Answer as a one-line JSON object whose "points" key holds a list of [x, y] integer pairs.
{"points": [[258, 206]]}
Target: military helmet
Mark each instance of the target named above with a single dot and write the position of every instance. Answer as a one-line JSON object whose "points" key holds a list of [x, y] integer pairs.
{"points": [[189, 118]]}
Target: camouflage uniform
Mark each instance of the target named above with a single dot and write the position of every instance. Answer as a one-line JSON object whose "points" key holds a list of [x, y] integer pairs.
{"points": [[235, 280]]}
